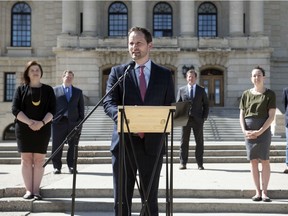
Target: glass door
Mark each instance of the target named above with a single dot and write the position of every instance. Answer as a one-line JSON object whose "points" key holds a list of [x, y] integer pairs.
{"points": [[213, 85]]}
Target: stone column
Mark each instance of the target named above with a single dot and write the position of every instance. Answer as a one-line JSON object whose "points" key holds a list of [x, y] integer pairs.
{"points": [[90, 18], [69, 17], [138, 14], [236, 18], [187, 20], [256, 17]]}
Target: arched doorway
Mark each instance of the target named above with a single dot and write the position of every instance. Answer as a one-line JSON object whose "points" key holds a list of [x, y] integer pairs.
{"points": [[212, 81], [105, 75], [9, 132]]}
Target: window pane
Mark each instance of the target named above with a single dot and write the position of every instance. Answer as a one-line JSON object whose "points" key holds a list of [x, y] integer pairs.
{"points": [[162, 20], [118, 19], [21, 25], [207, 20], [9, 86]]}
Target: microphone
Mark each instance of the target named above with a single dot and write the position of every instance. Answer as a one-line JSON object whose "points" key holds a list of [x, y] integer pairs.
{"points": [[130, 65]]}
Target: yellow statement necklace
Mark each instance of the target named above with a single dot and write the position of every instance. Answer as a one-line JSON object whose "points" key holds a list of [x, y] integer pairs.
{"points": [[36, 103]]}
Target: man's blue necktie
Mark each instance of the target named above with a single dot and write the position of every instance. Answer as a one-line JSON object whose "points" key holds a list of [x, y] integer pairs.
{"points": [[67, 93], [191, 93]]}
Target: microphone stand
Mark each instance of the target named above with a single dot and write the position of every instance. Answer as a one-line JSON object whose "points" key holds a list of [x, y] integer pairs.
{"points": [[76, 131]]}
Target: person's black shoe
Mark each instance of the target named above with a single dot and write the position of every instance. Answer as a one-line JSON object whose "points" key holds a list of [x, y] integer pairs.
{"points": [[200, 168], [57, 171], [182, 166], [28, 196], [256, 198], [266, 199], [71, 170], [37, 197]]}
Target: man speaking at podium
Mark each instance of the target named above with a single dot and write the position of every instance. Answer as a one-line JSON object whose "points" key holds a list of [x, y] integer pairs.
{"points": [[146, 84]]}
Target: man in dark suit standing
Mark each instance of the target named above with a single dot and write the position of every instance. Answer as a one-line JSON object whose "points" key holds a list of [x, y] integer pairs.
{"points": [[146, 84], [285, 103], [197, 116], [69, 113]]}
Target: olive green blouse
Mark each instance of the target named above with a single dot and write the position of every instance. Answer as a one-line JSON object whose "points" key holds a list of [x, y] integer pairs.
{"points": [[257, 105]]}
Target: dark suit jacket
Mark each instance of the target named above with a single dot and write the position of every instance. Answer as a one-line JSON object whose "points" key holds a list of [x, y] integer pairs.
{"points": [[160, 92], [75, 106], [200, 103], [285, 103]]}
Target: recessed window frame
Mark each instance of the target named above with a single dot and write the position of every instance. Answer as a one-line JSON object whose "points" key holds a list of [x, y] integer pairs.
{"points": [[9, 86], [117, 19], [162, 20], [207, 24], [21, 25]]}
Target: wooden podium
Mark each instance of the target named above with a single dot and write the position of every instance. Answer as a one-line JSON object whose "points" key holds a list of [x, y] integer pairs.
{"points": [[148, 119]]}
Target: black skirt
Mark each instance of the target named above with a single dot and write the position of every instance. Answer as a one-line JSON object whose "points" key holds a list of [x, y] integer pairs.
{"points": [[32, 141]]}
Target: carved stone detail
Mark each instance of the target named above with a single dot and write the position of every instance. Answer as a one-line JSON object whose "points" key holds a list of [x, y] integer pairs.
{"points": [[213, 57], [164, 58], [112, 57]]}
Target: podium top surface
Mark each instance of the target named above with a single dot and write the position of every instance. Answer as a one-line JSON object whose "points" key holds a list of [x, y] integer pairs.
{"points": [[146, 119]]}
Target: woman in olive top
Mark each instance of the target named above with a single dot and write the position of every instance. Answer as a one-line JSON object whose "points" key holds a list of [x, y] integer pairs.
{"points": [[257, 111]]}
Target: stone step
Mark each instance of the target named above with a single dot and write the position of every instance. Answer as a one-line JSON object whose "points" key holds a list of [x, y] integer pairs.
{"points": [[107, 160], [184, 200], [219, 189], [99, 153], [187, 205], [94, 192]]}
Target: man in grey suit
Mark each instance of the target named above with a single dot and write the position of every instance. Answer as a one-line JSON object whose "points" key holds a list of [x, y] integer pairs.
{"points": [[198, 114], [146, 84], [69, 113]]}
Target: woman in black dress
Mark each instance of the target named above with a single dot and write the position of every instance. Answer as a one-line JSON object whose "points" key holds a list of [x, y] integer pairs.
{"points": [[33, 106], [257, 112]]}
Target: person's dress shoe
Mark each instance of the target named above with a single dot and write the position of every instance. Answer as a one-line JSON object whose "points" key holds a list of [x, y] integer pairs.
{"points": [[286, 171], [256, 198], [28, 196], [182, 166], [200, 168], [37, 197], [57, 171], [266, 199], [71, 170]]}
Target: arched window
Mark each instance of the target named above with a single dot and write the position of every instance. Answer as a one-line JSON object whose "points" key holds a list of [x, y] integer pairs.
{"points": [[118, 19], [162, 20], [207, 20], [21, 25]]}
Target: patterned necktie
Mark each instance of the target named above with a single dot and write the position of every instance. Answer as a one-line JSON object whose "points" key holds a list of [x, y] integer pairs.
{"points": [[142, 82], [67, 93], [191, 93]]}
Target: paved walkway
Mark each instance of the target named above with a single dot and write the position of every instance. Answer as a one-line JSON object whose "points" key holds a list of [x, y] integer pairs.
{"points": [[224, 176]]}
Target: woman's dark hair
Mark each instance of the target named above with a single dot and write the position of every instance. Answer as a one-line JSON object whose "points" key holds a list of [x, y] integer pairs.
{"points": [[261, 69], [146, 32], [27, 67]]}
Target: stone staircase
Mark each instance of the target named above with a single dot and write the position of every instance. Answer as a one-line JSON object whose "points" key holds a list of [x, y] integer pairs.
{"points": [[189, 201], [97, 152], [222, 125], [221, 131], [221, 189], [224, 148]]}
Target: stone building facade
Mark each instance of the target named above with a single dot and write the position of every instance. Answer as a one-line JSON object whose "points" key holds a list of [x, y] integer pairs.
{"points": [[83, 36]]}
